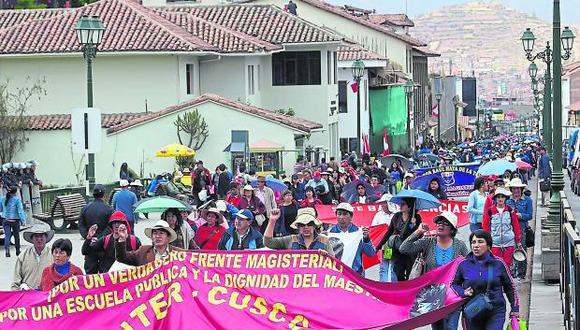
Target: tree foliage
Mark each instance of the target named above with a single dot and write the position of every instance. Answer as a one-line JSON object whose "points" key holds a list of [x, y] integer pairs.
{"points": [[14, 103], [192, 130], [29, 4]]}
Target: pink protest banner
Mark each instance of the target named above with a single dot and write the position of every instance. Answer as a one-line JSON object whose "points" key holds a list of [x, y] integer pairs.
{"points": [[234, 290], [364, 214]]}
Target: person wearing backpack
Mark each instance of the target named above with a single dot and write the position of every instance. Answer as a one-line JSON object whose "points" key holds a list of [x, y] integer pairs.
{"points": [[106, 244]]}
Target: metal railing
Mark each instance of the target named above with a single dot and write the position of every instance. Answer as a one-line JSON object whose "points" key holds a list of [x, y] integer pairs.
{"points": [[569, 266]]}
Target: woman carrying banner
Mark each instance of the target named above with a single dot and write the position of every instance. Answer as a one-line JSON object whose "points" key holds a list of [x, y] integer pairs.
{"points": [[482, 273], [402, 226], [310, 200], [437, 251], [501, 222], [61, 268], [435, 189], [476, 203], [308, 237], [361, 196], [209, 234]]}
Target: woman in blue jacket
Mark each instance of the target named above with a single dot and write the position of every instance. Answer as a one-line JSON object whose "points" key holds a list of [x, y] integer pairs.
{"points": [[472, 277], [476, 203], [13, 216]]}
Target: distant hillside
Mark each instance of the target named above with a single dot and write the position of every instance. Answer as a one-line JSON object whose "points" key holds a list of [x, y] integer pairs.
{"points": [[484, 37]]}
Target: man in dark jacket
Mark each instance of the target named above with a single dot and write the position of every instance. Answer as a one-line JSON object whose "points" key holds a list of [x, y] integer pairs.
{"points": [[97, 213], [544, 173], [223, 182], [106, 244], [242, 236]]}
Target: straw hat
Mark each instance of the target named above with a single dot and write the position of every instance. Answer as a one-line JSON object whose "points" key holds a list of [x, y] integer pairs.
{"points": [[516, 183], [385, 198], [221, 205], [446, 216], [305, 219], [248, 187], [345, 207], [123, 183], [220, 217], [162, 225], [39, 228]]}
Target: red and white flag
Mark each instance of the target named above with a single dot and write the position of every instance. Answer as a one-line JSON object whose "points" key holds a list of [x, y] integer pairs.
{"points": [[386, 150], [353, 86], [435, 110], [365, 144]]}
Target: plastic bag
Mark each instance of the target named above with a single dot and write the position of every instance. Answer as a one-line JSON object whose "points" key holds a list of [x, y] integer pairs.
{"points": [[517, 324]]}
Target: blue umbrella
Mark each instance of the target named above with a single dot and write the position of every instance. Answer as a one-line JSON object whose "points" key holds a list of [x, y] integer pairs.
{"points": [[349, 189], [497, 167], [272, 183], [423, 200], [430, 156]]}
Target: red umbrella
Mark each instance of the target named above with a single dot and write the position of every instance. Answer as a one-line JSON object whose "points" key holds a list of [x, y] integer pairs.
{"points": [[523, 165]]}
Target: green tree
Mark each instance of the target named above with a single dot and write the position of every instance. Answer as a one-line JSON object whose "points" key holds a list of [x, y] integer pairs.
{"points": [[14, 103], [191, 128], [29, 4]]}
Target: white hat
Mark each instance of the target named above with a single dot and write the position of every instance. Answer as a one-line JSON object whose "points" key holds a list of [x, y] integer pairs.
{"points": [[385, 198], [345, 207], [502, 191], [447, 216], [248, 187], [409, 175], [136, 183], [305, 218], [163, 225], [123, 183], [516, 183]]}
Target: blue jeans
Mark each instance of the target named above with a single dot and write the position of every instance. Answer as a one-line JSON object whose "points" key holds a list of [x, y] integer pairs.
{"points": [[494, 321], [11, 228], [386, 269], [474, 226], [448, 323]]}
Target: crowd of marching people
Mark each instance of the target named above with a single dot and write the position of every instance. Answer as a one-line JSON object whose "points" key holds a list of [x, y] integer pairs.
{"points": [[244, 211]]}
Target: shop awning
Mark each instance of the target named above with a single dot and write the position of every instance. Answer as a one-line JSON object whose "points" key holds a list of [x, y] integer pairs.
{"points": [[265, 146], [236, 147]]}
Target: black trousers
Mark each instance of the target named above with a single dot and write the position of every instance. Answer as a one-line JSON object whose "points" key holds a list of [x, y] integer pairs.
{"points": [[12, 228]]}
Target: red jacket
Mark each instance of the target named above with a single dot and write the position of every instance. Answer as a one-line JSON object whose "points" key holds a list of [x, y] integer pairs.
{"points": [[51, 278], [489, 213]]}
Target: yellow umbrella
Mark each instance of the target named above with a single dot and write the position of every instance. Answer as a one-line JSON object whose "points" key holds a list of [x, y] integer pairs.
{"points": [[175, 150]]}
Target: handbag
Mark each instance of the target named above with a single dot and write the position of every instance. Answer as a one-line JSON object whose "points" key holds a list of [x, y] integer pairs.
{"points": [[530, 237], [480, 305], [387, 253], [545, 185], [418, 267]]}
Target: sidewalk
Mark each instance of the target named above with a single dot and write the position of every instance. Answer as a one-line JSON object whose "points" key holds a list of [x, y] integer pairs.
{"points": [[545, 306]]}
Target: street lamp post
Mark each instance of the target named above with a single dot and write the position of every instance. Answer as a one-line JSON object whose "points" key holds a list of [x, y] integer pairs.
{"points": [[409, 89], [438, 94], [90, 32], [358, 69]]}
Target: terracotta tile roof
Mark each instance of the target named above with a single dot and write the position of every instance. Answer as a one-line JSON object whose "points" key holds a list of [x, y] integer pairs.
{"points": [[391, 19], [129, 27], [9, 18], [63, 121], [291, 121], [225, 39], [266, 22], [571, 68], [357, 52], [340, 11]]}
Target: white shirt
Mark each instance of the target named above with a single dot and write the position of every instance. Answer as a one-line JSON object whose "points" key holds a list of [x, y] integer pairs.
{"points": [[382, 218]]}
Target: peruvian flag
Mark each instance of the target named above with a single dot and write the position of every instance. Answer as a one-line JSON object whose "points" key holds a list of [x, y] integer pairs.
{"points": [[386, 150], [353, 86], [366, 146], [435, 110]]}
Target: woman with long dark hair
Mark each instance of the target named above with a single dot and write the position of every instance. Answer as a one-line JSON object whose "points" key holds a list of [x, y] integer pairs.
{"points": [[124, 173], [435, 189], [185, 234], [14, 216]]}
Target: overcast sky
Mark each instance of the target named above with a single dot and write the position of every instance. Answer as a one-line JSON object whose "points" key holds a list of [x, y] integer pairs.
{"points": [[542, 8]]}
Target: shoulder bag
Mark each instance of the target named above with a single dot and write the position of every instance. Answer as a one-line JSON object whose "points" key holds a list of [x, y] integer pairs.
{"points": [[545, 185], [418, 267], [480, 305], [530, 237]]}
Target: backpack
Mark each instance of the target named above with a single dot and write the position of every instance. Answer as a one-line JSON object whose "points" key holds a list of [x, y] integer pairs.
{"points": [[133, 241]]}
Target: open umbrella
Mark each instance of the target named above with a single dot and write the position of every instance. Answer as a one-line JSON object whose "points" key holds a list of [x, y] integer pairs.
{"points": [[272, 183], [349, 189], [423, 200], [430, 157], [175, 150], [496, 167], [523, 165], [159, 204], [390, 159]]}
